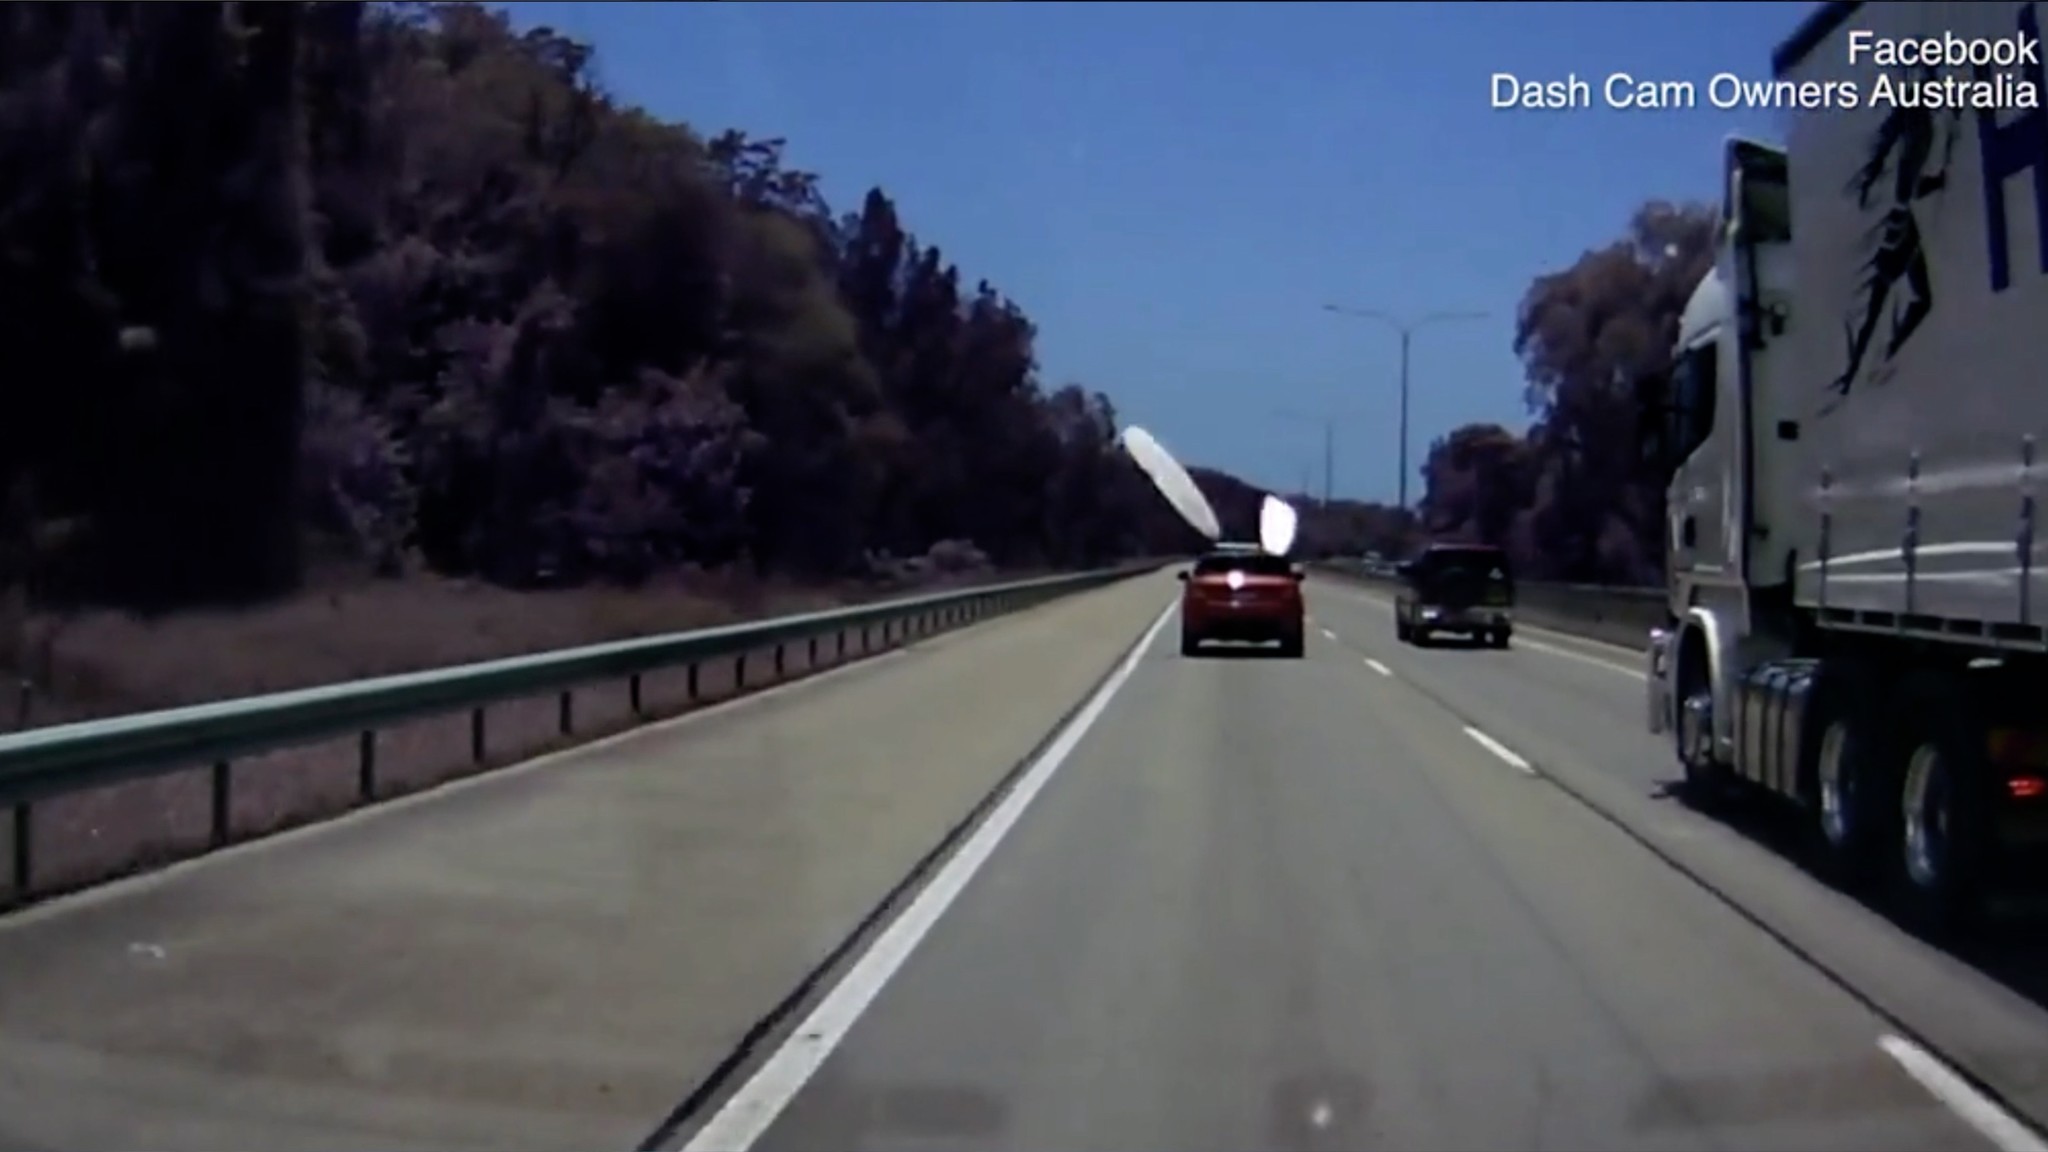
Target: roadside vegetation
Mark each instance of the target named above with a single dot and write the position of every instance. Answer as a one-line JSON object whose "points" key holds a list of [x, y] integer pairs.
{"points": [[339, 339]]}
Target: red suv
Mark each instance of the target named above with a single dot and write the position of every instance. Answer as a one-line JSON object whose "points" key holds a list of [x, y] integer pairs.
{"points": [[1242, 594]]}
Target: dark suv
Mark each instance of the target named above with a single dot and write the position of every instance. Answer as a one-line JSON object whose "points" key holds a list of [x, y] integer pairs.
{"points": [[1463, 588]]}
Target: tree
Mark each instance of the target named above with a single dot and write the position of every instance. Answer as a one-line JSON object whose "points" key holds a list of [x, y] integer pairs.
{"points": [[1570, 497], [408, 280]]}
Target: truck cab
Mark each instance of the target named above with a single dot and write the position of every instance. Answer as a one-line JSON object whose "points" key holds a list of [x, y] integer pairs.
{"points": [[1713, 423]]}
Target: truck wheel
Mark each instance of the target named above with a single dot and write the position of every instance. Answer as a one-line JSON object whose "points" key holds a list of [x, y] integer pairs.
{"points": [[1851, 793], [1944, 826], [1708, 786], [1292, 647], [1401, 632], [1500, 638]]}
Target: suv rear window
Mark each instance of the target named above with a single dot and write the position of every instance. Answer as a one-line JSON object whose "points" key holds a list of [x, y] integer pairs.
{"points": [[1481, 563], [1249, 563]]}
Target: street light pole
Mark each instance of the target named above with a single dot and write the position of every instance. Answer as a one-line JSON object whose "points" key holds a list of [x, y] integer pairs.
{"points": [[1406, 330], [1407, 339], [1328, 420], [1329, 461]]}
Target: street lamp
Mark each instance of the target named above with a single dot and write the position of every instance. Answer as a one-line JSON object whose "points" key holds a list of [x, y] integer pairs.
{"points": [[1327, 421], [1406, 329]]}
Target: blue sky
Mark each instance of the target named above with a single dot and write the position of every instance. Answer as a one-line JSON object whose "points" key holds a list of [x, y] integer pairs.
{"points": [[1172, 191]]}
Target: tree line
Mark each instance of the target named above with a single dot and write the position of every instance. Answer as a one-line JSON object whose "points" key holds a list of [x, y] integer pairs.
{"points": [[405, 286], [1570, 497]]}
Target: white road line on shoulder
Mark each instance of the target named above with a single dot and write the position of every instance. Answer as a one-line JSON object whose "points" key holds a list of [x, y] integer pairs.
{"points": [[754, 1107], [1522, 641], [1507, 755], [1581, 657], [1378, 667], [1971, 1106]]}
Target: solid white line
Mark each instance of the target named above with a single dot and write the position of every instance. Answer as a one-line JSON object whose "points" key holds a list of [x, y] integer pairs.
{"points": [[751, 1110], [1969, 1105], [1581, 657], [1522, 641], [1501, 750], [1378, 667]]}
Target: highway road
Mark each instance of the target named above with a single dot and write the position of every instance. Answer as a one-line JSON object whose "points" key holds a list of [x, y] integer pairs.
{"points": [[1382, 897], [1338, 903]]}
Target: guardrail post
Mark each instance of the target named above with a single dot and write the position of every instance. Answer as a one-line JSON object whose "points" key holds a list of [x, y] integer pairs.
{"points": [[842, 644], [779, 663], [739, 672], [366, 766], [223, 797], [565, 712], [811, 653], [693, 684], [24, 852], [633, 693], [476, 735]]}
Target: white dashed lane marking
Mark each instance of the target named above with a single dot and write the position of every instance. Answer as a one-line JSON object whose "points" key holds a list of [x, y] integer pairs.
{"points": [[1506, 754]]}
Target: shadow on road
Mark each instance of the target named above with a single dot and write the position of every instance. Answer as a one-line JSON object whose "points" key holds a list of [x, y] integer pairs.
{"points": [[1463, 643], [1220, 650], [2010, 947]]}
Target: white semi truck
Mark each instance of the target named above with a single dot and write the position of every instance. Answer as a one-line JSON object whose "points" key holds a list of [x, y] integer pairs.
{"points": [[1853, 427]]}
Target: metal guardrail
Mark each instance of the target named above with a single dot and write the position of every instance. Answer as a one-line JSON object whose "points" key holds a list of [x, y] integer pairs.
{"points": [[41, 763], [1609, 613]]}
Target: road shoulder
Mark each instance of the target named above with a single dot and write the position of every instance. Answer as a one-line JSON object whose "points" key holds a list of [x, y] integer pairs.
{"points": [[550, 958]]}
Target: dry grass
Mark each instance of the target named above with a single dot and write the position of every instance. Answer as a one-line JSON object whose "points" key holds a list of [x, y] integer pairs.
{"points": [[104, 664], [108, 663]]}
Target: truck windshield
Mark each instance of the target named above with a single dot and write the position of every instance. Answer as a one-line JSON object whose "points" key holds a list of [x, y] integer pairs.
{"points": [[1695, 381]]}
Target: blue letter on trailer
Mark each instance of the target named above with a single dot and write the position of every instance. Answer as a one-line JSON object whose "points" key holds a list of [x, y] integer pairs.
{"points": [[2008, 150]]}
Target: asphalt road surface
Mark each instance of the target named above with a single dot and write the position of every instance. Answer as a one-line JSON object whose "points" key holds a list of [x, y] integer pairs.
{"points": [[1342, 903], [1381, 897]]}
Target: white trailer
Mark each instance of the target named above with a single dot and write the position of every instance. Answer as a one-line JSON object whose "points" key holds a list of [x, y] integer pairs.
{"points": [[1853, 426]]}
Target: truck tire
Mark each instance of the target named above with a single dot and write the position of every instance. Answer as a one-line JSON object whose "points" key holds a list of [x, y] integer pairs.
{"points": [[1849, 765], [1942, 864], [1292, 646], [1708, 787], [1401, 632]]}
